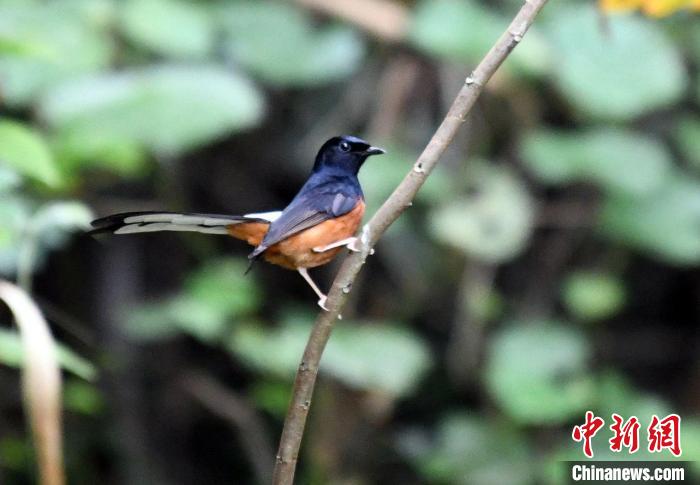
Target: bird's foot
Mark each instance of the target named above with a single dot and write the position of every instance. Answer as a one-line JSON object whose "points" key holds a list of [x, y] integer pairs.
{"points": [[354, 244], [322, 303]]}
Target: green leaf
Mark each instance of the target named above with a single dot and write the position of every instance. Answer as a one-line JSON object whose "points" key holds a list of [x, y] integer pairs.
{"points": [[464, 31], [47, 43], [631, 71], [593, 296], [497, 452], [213, 296], [16, 454], [687, 135], [380, 357], [272, 395], [169, 109], [618, 160], [82, 397], [690, 442], [14, 214], [106, 152], [24, 149], [152, 322], [174, 28], [537, 372], [54, 222], [9, 179], [181, 314], [493, 224], [665, 223], [11, 355], [615, 394], [380, 177], [278, 43], [223, 285]]}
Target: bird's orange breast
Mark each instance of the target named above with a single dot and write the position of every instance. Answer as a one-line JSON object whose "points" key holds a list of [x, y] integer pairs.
{"points": [[297, 250]]}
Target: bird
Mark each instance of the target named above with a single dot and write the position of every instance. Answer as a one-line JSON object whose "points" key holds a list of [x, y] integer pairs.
{"points": [[318, 223]]}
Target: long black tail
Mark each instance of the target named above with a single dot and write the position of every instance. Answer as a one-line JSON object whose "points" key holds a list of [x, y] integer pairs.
{"points": [[151, 221]]}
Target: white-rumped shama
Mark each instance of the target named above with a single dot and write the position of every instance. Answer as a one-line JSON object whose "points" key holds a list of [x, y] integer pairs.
{"points": [[321, 219]]}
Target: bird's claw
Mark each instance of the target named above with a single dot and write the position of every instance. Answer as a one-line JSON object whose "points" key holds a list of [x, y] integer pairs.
{"points": [[322, 303], [356, 246]]}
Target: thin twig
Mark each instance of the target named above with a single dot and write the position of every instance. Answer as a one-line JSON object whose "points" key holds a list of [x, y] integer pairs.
{"points": [[394, 206]]}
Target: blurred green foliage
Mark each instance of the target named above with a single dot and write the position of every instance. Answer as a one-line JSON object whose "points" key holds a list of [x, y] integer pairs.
{"points": [[549, 386], [592, 295], [495, 216], [213, 296], [11, 354], [371, 356], [98, 95], [297, 53], [617, 75], [617, 161], [497, 452]]}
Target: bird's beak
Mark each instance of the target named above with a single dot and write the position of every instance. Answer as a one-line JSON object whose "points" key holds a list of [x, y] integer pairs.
{"points": [[374, 151]]}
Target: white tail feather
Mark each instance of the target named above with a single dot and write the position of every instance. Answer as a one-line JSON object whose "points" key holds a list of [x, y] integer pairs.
{"points": [[167, 226], [183, 219], [187, 222]]}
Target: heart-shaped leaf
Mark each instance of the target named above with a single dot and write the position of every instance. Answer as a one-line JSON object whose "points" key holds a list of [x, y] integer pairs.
{"points": [[464, 31], [537, 372], [278, 43], [50, 43], [665, 223], [617, 73], [494, 223], [169, 109], [618, 160], [25, 150], [174, 28], [373, 356]]}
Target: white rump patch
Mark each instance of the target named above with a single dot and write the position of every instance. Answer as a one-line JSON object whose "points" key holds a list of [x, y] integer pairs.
{"points": [[271, 216]]}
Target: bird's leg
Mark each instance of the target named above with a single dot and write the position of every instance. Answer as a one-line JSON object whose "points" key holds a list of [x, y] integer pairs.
{"points": [[352, 243], [321, 297]]}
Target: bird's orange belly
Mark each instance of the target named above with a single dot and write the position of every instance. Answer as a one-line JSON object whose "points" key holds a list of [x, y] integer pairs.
{"points": [[297, 251]]}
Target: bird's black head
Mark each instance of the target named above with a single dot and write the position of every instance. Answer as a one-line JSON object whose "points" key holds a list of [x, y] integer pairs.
{"points": [[345, 154]]}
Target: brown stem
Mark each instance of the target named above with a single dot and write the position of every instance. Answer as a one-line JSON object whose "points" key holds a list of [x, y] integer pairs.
{"points": [[393, 207]]}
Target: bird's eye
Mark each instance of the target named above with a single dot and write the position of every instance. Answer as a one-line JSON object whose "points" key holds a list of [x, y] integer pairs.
{"points": [[344, 146]]}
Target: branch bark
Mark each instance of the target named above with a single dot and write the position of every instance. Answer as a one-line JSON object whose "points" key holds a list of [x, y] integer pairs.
{"points": [[394, 206]]}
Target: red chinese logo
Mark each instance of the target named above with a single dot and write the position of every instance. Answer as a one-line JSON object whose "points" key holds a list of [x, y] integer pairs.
{"points": [[663, 434], [626, 434], [587, 431]]}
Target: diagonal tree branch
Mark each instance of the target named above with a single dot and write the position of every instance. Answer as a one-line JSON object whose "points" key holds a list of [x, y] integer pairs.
{"points": [[394, 206]]}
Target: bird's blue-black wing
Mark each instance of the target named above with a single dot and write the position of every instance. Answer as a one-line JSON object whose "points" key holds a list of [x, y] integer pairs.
{"points": [[314, 204]]}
